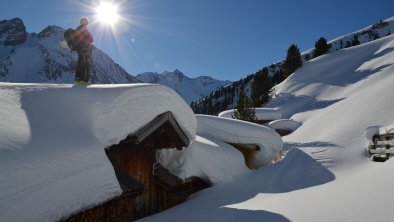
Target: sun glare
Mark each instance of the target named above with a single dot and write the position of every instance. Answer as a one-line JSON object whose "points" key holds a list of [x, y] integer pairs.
{"points": [[107, 13]]}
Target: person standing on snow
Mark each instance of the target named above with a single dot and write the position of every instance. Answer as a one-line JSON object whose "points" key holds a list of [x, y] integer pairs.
{"points": [[83, 46]]}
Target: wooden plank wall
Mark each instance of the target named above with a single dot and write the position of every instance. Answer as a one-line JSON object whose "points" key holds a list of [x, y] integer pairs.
{"points": [[137, 162], [118, 209]]}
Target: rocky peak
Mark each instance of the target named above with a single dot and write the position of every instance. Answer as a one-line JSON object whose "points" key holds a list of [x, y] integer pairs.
{"points": [[12, 32], [50, 30], [176, 74]]}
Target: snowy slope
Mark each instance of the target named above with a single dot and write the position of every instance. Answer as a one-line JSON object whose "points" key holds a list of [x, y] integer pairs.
{"points": [[191, 89], [41, 58], [326, 174], [229, 100], [52, 140]]}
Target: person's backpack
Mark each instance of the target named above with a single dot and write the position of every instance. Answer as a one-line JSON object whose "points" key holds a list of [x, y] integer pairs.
{"points": [[71, 37]]}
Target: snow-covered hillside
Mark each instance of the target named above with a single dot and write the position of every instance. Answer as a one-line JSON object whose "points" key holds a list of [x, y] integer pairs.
{"points": [[227, 98], [191, 89], [41, 58], [326, 174]]}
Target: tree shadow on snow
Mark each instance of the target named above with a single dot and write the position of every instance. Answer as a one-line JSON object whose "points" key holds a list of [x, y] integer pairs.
{"points": [[232, 214], [317, 144]]}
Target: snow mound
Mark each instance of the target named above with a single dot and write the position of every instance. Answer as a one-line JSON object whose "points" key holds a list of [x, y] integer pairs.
{"points": [[210, 159], [284, 124], [261, 114], [52, 140], [236, 131]]}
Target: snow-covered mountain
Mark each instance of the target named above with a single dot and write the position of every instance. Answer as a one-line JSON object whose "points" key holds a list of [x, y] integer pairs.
{"points": [[41, 58], [191, 89]]}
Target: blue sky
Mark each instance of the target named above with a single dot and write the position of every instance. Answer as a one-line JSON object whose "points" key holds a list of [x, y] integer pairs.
{"points": [[226, 39]]}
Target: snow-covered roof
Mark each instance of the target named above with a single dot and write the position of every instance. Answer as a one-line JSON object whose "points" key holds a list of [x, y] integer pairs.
{"points": [[261, 114], [52, 140], [241, 132], [284, 124]]}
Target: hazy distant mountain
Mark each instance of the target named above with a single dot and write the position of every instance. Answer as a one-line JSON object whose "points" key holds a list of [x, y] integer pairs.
{"points": [[191, 89]]}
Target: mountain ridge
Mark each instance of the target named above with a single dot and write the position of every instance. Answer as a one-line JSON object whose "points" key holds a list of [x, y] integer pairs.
{"points": [[191, 89]]}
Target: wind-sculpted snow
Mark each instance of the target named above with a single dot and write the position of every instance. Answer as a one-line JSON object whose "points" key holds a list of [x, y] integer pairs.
{"points": [[52, 140], [235, 131]]}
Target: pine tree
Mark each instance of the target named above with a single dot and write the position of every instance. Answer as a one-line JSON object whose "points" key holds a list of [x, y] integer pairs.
{"points": [[245, 110], [321, 47], [261, 86], [355, 41], [293, 60]]}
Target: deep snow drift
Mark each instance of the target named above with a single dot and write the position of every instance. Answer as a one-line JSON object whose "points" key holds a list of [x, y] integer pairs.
{"points": [[326, 174]]}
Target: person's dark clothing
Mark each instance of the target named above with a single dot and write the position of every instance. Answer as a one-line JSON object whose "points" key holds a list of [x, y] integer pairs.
{"points": [[83, 45]]}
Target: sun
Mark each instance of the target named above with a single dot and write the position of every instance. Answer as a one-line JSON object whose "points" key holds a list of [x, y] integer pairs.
{"points": [[107, 13]]}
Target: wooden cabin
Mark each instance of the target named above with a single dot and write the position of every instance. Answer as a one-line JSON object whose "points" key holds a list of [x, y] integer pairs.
{"points": [[148, 187], [263, 121], [283, 132], [248, 151]]}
